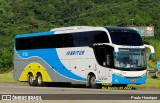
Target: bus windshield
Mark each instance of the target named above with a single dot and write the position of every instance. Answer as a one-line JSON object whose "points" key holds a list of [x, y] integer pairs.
{"points": [[131, 58]]}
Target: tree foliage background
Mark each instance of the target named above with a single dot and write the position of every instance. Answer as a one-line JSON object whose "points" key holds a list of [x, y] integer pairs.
{"points": [[25, 16]]}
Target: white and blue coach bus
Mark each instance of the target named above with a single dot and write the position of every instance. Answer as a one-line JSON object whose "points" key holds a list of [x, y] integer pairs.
{"points": [[81, 54]]}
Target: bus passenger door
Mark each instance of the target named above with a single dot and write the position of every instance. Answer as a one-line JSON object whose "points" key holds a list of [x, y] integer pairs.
{"points": [[109, 60], [104, 59], [100, 66]]}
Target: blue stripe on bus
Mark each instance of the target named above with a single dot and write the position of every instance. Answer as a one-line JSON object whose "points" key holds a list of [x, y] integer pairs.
{"points": [[34, 34], [51, 57], [123, 80]]}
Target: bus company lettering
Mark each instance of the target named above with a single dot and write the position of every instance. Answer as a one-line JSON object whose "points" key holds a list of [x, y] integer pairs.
{"points": [[75, 52]]}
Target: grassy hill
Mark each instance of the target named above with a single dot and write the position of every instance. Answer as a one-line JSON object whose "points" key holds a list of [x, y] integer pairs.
{"points": [[25, 16]]}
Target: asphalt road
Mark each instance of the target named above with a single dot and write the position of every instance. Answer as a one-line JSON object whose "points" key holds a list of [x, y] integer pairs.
{"points": [[80, 91], [6, 88]]}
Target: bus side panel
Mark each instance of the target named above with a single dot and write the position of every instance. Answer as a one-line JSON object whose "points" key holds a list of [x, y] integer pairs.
{"points": [[82, 62], [18, 68], [53, 67], [77, 59]]}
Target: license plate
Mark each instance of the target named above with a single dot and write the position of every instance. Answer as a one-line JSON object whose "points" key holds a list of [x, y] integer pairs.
{"points": [[133, 80]]}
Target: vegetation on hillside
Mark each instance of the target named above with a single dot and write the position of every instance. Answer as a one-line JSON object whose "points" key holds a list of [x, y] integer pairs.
{"points": [[25, 16]]}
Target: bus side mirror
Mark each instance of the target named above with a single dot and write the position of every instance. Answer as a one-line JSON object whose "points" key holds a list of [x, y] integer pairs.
{"points": [[151, 48], [152, 55]]}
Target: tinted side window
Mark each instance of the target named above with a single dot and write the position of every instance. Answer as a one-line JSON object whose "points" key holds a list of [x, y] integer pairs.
{"points": [[68, 40], [84, 38], [57, 41], [101, 37], [31, 43], [62, 40], [26, 43], [20, 43], [43, 42]]}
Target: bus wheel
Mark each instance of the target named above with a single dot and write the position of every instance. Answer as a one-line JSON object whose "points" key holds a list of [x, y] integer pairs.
{"points": [[31, 80], [92, 81], [39, 80]]}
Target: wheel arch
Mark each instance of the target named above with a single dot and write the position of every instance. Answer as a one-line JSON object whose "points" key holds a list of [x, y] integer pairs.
{"points": [[38, 73]]}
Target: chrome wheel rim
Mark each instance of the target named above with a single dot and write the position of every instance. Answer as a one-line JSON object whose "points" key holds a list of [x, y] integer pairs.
{"points": [[39, 80]]}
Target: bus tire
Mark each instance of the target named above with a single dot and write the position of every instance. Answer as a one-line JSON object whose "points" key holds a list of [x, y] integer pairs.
{"points": [[92, 81], [39, 80], [31, 80]]}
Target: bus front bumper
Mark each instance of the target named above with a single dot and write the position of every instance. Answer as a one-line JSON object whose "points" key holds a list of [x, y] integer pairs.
{"points": [[116, 79]]}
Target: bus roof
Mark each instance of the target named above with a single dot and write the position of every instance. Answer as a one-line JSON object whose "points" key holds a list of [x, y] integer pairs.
{"points": [[51, 32], [34, 34], [71, 28], [117, 29]]}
